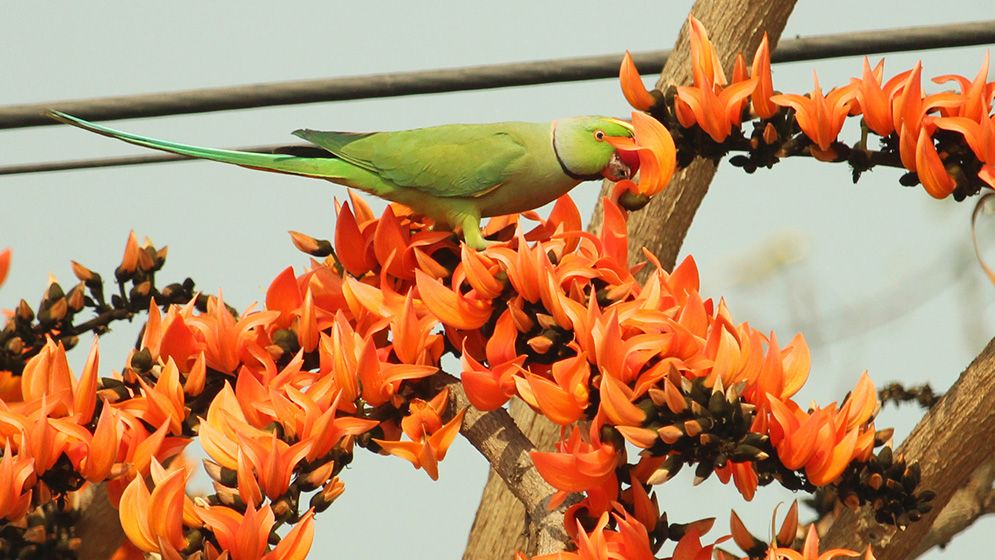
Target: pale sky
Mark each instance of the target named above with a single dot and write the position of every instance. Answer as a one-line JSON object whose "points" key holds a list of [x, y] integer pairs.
{"points": [[880, 278]]}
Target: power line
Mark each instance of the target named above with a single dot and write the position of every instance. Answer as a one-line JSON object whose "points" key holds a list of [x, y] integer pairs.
{"points": [[447, 80], [473, 77]]}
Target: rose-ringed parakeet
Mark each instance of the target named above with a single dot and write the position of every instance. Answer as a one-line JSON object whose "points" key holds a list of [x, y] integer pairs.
{"points": [[454, 174]]}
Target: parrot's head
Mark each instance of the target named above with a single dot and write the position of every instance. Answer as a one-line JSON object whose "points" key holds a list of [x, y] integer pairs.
{"points": [[584, 149]]}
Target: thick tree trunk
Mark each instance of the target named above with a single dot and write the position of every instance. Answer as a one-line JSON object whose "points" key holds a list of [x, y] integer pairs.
{"points": [[734, 26]]}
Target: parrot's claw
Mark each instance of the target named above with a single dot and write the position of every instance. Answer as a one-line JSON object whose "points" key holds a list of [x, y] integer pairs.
{"points": [[472, 236]]}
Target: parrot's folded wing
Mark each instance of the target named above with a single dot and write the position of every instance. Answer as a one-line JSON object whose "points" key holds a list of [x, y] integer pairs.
{"points": [[443, 161]]}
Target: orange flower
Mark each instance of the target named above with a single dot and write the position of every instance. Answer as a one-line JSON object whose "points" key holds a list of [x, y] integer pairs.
{"points": [[163, 403], [821, 441], [980, 137], [47, 375], [412, 338], [932, 173], [4, 264], [272, 461], [811, 550], [380, 381], [716, 110], [783, 372], [430, 437], [632, 85], [909, 108], [224, 423], [580, 466], [743, 475], [452, 308], [246, 536], [630, 541], [129, 262], [326, 431], [102, 449], [154, 522], [875, 100], [705, 64], [657, 153], [690, 547], [820, 117], [760, 71], [17, 475], [976, 95], [564, 398], [616, 403], [489, 388]]}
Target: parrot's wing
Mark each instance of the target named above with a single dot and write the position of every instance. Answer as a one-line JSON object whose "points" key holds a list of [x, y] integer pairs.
{"points": [[444, 161]]}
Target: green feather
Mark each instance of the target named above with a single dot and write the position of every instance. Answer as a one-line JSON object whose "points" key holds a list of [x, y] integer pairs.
{"points": [[322, 168], [446, 161]]}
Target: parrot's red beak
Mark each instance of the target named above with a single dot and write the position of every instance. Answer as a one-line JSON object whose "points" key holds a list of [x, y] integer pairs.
{"points": [[625, 161], [623, 165]]}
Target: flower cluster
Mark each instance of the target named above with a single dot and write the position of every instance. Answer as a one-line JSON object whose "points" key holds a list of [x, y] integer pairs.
{"points": [[345, 354], [943, 140]]}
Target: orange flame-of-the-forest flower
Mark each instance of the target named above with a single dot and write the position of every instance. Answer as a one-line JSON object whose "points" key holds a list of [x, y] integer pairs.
{"points": [[875, 100], [810, 551], [932, 173], [826, 440], [705, 64], [430, 437], [246, 536], [975, 95], [710, 103], [632, 85], [16, 476], [580, 466], [4, 264], [760, 71], [657, 153], [820, 116], [980, 137]]}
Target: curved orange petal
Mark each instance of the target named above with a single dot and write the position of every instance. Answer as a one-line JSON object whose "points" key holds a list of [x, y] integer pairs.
{"points": [[760, 70], [932, 174], [133, 512], [616, 403], [449, 307], [297, 543], [102, 449], [4, 264], [166, 508], [796, 363], [554, 402], [632, 85]]}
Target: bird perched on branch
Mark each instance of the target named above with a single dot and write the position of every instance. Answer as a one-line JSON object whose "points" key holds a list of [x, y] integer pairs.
{"points": [[454, 174]]}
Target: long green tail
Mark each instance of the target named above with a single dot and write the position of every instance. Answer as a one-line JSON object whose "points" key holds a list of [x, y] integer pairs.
{"points": [[322, 168]]}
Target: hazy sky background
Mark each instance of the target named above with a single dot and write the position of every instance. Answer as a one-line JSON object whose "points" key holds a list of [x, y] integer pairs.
{"points": [[878, 276]]}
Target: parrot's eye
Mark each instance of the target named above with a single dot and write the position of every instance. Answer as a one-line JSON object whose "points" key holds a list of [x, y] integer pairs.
{"points": [[599, 135]]}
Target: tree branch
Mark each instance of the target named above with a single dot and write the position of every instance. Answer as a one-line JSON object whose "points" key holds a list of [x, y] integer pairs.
{"points": [[950, 444], [496, 436], [736, 25], [973, 500]]}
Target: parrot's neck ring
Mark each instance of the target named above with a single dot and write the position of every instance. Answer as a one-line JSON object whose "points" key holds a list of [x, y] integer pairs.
{"points": [[563, 165]]}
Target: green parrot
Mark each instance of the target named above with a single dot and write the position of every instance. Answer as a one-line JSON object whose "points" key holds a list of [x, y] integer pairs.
{"points": [[455, 174]]}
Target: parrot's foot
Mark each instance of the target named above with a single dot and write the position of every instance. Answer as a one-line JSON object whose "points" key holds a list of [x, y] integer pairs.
{"points": [[472, 235]]}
